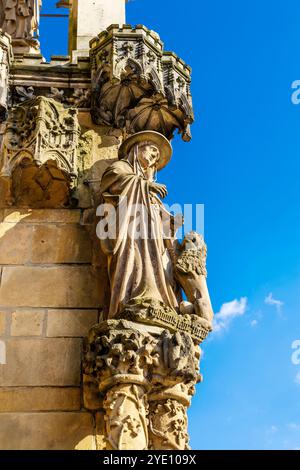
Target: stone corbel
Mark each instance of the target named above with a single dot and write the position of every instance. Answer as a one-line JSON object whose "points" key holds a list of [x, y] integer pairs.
{"points": [[147, 377], [136, 85]]}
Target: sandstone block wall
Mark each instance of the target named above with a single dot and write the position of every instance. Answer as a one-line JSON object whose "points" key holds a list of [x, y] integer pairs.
{"points": [[49, 299]]}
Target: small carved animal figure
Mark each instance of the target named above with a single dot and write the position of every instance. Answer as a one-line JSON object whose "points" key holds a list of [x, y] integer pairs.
{"points": [[190, 272]]}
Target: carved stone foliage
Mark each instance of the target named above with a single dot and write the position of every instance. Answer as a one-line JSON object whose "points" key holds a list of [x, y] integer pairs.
{"points": [[118, 352], [126, 422], [39, 153], [5, 60], [147, 377], [78, 97], [70, 97], [136, 85], [168, 425], [40, 130]]}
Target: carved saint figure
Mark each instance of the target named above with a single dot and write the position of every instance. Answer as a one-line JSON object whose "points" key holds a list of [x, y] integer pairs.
{"points": [[19, 18], [139, 254], [3, 82]]}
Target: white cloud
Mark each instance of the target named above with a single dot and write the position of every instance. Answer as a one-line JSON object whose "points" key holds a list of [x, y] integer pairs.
{"points": [[297, 378], [254, 323], [269, 300], [228, 312], [294, 426]]}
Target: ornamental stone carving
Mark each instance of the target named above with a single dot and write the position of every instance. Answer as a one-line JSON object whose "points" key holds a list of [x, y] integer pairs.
{"points": [[136, 85], [5, 62], [39, 153], [40, 130], [126, 420], [168, 425], [147, 377]]}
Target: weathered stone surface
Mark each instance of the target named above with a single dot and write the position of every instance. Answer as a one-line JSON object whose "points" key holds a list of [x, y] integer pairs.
{"points": [[57, 287], [65, 216], [2, 323], [46, 431], [27, 323], [92, 400], [100, 431], [21, 22], [44, 244], [34, 186], [135, 367], [60, 244], [41, 362], [73, 323], [40, 131], [15, 245], [39, 399], [191, 273]]}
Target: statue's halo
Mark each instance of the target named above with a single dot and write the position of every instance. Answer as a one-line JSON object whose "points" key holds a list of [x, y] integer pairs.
{"points": [[156, 138]]}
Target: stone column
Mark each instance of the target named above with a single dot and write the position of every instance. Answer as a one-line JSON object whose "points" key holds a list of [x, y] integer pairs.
{"points": [[126, 417], [118, 359], [168, 422]]}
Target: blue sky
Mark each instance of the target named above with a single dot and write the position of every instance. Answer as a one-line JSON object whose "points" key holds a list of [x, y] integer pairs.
{"points": [[244, 165]]}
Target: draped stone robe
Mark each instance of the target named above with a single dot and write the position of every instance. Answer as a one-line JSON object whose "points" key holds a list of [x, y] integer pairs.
{"points": [[138, 268], [17, 18]]}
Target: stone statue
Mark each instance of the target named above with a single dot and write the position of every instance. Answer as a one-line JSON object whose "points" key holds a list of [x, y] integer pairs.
{"points": [[190, 272], [5, 60], [139, 254], [146, 264], [144, 357], [19, 18]]}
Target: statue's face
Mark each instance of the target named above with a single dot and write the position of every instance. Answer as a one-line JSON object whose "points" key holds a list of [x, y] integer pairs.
{"points": [[148, 155]]}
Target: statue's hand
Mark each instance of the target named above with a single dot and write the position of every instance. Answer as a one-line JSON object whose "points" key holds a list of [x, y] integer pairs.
{"points": [[159, 189]]}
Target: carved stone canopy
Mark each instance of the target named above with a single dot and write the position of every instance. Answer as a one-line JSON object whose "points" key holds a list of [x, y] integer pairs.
{"points": [[39, 153], [40, 130], [136, 85]]}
